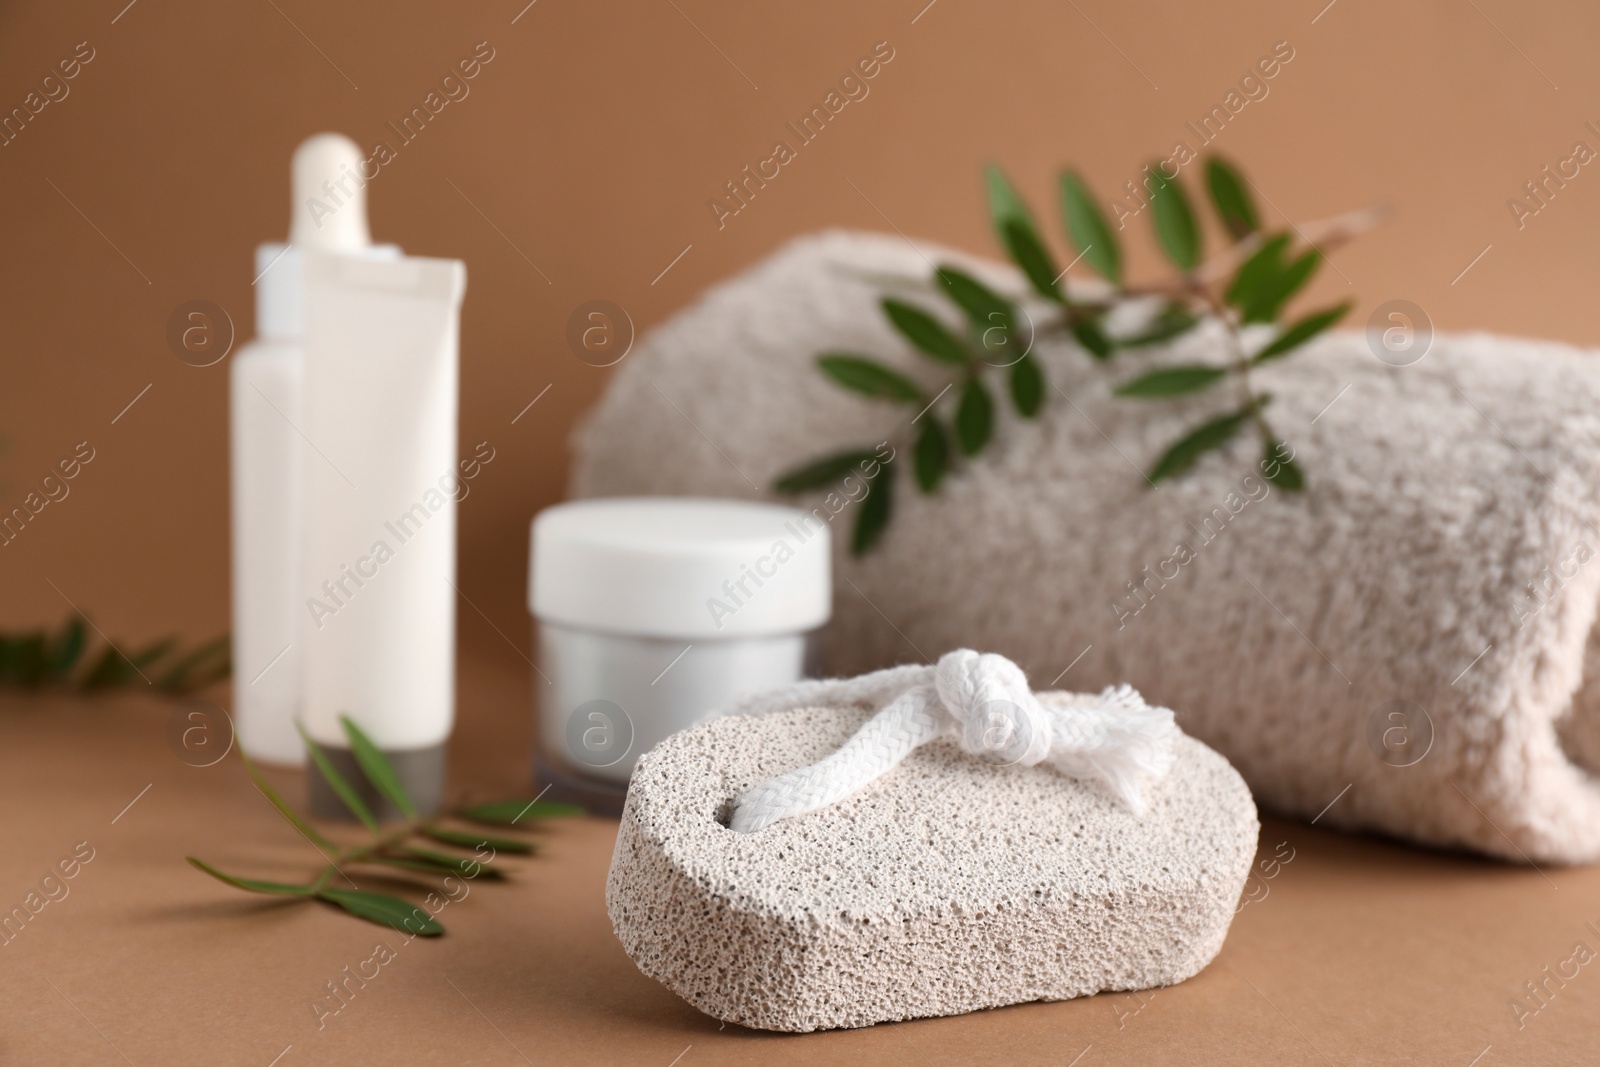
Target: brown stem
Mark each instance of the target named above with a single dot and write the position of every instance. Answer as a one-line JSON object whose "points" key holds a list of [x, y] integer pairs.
{"points": [[1241, 361]]}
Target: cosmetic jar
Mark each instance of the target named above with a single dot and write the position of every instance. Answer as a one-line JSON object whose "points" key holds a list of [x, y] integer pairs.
{"points": [[655, 612]]}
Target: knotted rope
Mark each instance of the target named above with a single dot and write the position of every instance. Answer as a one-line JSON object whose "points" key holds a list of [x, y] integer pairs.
{"points": [[985, 703]]}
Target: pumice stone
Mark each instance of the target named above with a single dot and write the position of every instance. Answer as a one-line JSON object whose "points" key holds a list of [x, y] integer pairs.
{"points": [[952, 881]]}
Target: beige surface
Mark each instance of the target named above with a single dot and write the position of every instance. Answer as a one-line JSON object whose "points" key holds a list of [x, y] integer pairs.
{"points": [[1357, 951]]}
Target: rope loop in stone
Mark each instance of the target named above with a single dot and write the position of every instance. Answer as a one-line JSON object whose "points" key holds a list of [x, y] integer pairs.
{"points": [[983, 701]]}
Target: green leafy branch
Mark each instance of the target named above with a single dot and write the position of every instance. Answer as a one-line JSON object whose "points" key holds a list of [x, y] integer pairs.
{"points": [[38, 659], [395, 848], [971, 360], [998, 336]]}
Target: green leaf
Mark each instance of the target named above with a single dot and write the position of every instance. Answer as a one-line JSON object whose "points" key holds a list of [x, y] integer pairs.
{"points": [[1186, 450], [376, 766], [463, 839], [1088, 230], [26, 659], [1278, 290], [974, 417], [931, 455], [869, 377], [1173, 321], [385, 910], [993, 317], [465, 865], [110, 668], [985, 308], [1174, 220], [826, 471], [1281, 470], [1301, 332], [151, 653], [285, 810], [400, 862], [1093, 338], [1027, 386], [513, 812], [1231, 198], [426, 862], [254, 885], [1173, 381], [925, 332], [114, 669], [1020, 237], [1005, 206], [1029, 253], [873, 513], [351, 798], [1257, 272], [68, 648], [211, 662]]}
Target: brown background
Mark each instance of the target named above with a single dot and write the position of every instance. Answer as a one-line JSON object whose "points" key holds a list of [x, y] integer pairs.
{"points": [[593, 141]]}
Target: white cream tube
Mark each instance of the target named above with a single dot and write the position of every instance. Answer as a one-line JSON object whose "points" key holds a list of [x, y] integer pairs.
{"points": [[380, 477]]}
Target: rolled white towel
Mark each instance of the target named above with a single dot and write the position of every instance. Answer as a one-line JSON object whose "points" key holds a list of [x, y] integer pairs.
{"points": [[1405, 646]]}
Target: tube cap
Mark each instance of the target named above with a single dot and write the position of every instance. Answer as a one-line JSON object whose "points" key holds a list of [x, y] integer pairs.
{"points": [[681, 567]]}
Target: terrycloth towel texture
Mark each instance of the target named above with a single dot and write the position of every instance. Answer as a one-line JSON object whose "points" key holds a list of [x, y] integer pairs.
{"points": [[1432, 594]]}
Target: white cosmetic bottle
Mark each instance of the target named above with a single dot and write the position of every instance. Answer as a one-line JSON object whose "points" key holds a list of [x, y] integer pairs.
{"points": [[380, 482], [266, 385]]}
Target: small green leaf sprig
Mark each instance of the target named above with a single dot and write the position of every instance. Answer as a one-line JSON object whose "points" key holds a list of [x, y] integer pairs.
{"points": [[998, 336], [972, 361], [38, 659], [394, 848]]}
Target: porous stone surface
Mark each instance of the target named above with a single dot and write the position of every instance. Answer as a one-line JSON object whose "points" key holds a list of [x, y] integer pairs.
{"points": [[949, 885]]}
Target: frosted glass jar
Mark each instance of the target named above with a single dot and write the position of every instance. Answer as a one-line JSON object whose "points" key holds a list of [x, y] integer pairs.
{"points": [[653, 613]]}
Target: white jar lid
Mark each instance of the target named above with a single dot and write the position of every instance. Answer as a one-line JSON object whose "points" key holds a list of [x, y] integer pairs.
{"points": [[680, 567]]}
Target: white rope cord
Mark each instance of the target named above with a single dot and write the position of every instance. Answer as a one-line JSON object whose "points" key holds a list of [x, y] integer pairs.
{"points": [[985, 703]]}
